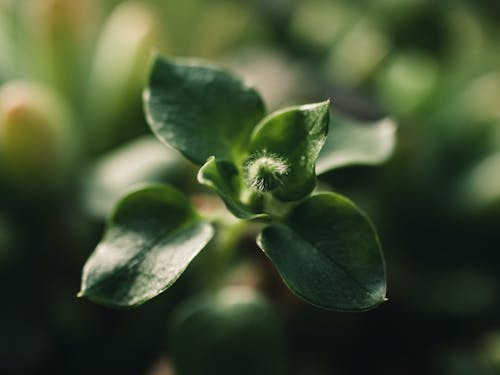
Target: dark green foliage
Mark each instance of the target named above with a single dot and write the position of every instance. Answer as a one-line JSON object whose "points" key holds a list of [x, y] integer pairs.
{"points": [[200, 110], [327, 252], [151, 238], [325, 249]]}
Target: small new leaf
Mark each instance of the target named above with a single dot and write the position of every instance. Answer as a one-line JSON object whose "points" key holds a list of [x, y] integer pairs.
{"points": [[295, 136], [151, 238], [328, 253]]}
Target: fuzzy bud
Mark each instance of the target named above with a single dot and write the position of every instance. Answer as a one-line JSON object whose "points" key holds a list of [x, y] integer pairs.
{"points": [[264, 171]]}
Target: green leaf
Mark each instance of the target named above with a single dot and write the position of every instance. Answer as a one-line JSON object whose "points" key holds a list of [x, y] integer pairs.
{"points": [[357, 143], [151, 238], [224, 178], [328, 253], [200, 110], [295, 136]]}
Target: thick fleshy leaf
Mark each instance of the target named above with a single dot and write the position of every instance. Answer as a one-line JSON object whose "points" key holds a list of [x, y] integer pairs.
{"points": [[328, 253], [151, 238], [357, 143], [295, 135], [223, 178], [200, 110]]}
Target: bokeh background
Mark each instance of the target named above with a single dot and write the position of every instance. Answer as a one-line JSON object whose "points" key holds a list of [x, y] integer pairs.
{"points": [[73, 138]]}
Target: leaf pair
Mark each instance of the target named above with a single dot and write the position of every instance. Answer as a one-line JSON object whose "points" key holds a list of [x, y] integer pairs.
{"points": [[325, 249]]}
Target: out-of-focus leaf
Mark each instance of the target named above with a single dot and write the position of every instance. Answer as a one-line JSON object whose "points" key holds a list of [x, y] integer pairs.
{"points": [[407, 81], [480, 187], [119, 69], [358, 53], [6, 52], [328, 253], [142, 160], [233, 331], [54, 43], [222, 24], [356, 143], [38, 140], [201, 110], [321, 23], [151, 238]]}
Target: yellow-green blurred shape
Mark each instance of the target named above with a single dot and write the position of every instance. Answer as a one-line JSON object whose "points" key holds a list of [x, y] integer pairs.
{"points": [[407, 80], [492, 350], [220, 27], [322, 22], [398, 5], [207, 28], [466, 38], [5, 5], [37, 143], [55, 41], [6, 55], [481, 98], [480, 187], [278, 79], [358, 53], [120, 67]]}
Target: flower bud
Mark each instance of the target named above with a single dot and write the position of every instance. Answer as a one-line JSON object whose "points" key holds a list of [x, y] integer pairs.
{"points": [[264, 171]]}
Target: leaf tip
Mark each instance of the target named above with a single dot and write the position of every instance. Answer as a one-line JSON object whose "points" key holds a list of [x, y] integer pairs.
{"points": [[200, 176]]}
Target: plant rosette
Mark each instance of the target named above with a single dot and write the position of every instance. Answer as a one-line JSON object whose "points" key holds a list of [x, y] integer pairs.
{"points": [[264, 168]]}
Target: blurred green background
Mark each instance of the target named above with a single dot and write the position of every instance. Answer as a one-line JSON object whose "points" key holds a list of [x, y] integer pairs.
{"points": [[73, 138]]}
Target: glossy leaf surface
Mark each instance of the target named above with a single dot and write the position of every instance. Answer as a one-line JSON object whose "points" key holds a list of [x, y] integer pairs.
{"points": [[200, 110], [328, 253], [151, 238]]}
